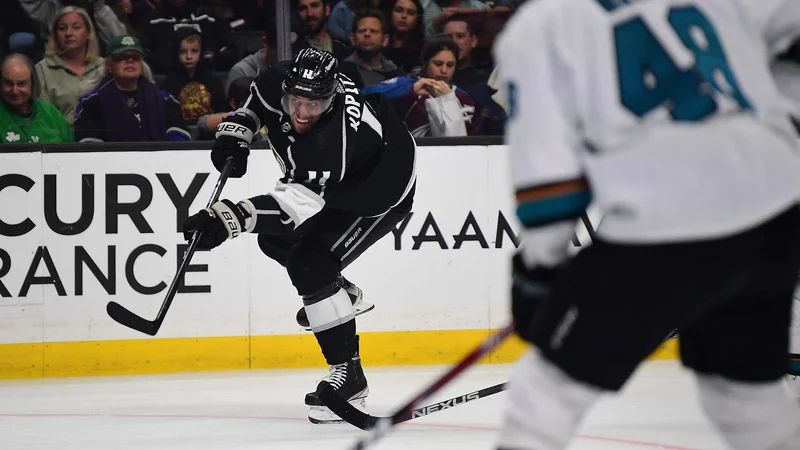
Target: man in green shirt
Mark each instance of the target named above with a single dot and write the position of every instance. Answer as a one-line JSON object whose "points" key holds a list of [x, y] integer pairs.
{"points": [[23, 118]]}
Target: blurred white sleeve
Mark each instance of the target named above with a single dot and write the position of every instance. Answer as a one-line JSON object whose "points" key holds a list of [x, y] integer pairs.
{"points": [[778, 21], [787, 78], [542, 133]]}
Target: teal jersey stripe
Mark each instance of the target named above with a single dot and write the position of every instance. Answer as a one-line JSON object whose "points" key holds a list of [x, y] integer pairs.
{"points": [[549, 210], [794, 366]]}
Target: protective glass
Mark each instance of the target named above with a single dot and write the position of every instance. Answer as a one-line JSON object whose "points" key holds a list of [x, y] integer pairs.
{"points": [[305, 108]]}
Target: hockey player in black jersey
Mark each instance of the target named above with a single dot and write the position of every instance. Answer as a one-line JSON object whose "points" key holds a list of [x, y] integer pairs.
{"points": [[348, 179]]}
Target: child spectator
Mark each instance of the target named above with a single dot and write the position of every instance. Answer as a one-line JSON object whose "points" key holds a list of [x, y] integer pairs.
{"points": [[24, 118], [430, 104], [406, 33], [127, 106], [157, 33], [191, 79], [72, 66]]}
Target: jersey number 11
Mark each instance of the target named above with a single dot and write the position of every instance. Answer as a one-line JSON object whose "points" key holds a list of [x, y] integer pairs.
{"points": [[649, 78]]}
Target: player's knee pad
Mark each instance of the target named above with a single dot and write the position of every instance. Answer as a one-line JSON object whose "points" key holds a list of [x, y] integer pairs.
{"points": [[311, 267], [751, 416], [545, 405], [328, 307]]}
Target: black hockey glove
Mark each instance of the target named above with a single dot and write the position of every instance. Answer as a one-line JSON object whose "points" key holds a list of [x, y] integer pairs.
{"points": [[233, 138], [530, 293], [222, 221]]}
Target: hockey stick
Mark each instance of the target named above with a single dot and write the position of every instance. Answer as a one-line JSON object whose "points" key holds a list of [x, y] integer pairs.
{"points": [[131, 320], [379, 426], [362, 420]]}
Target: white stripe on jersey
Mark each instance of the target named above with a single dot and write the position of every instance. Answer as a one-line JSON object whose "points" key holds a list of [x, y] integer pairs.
{"points": [[369, 118], [344, 146]]}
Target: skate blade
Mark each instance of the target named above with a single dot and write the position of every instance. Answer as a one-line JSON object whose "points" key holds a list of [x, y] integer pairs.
{"points": [[364, 307], [321, 415]]}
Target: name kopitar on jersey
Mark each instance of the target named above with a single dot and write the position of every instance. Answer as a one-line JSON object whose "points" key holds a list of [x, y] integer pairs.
{"points": [[352, 106]]}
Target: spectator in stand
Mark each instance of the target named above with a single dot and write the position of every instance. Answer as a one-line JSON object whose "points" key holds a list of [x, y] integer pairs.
{"points": [[369, 38], [252, 65], [72, 66], [473, 79], [191, 79], [467, 73], [314, 17], [406, 33], [23, 117], [157, 33], [340, 23], [237, 95], [105, 20], [429, 104], [127, 106], [437, 11], [21, 26], [101, 15]]}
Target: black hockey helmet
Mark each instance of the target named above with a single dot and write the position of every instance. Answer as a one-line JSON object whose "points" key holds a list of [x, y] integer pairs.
{"points": [[313, 74]]}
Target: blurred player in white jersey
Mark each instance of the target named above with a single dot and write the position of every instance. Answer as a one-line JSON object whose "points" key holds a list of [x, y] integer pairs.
{"points": [[787, 76], [664, 115]]}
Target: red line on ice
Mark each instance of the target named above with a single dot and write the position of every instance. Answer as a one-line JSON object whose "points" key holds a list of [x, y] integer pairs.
{"points": [[430, 425]]}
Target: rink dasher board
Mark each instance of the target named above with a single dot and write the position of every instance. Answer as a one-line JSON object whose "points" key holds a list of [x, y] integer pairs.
{"points": [[84, 228]]}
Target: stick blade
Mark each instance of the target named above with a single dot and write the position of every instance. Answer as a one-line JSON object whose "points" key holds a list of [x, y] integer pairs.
{"points": [[131, 320], [344, 409]]}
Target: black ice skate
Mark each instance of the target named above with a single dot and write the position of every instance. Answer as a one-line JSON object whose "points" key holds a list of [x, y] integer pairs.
{"points": [[349, 382], [356, 297]]}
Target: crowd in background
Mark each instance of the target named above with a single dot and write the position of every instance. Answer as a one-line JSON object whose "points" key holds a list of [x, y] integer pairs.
{"points": [[156, 70], [150, 70]]}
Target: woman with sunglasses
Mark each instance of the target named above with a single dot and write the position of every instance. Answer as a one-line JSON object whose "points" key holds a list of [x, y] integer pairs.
{"points": [[126, 106]]}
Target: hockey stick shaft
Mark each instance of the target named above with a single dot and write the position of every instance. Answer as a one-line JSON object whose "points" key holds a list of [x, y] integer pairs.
{"points": [[364, 421], [379, 426], [127, 318], [453, 402]]}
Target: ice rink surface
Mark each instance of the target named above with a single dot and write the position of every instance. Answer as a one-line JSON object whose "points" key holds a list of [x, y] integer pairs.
{"points": [[264, 410]]}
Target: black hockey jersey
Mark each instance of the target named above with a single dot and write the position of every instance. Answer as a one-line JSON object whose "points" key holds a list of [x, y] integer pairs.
{"points": [[359, 157]]}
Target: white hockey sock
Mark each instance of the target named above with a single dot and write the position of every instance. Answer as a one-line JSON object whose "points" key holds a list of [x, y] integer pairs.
{"points": [[329, 312], [544, 407], [751, 416]]}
